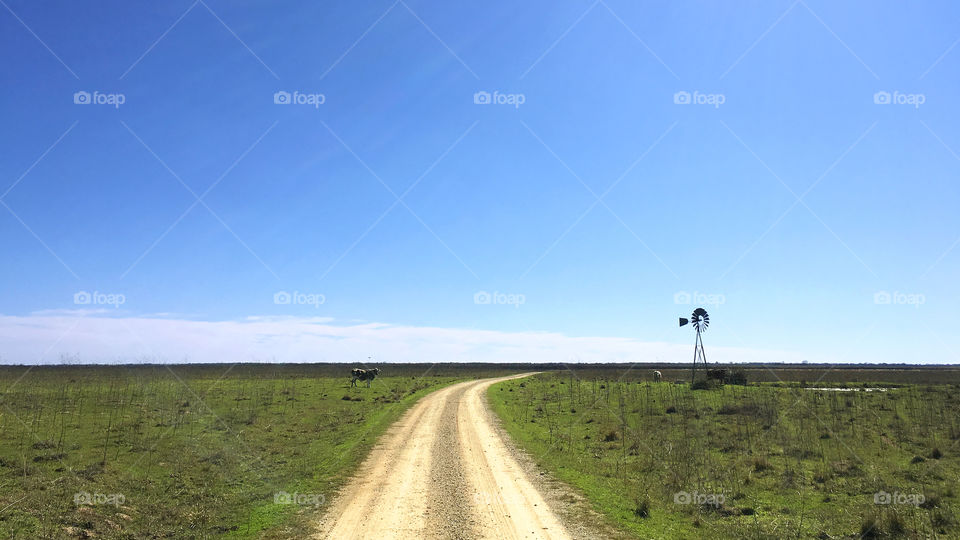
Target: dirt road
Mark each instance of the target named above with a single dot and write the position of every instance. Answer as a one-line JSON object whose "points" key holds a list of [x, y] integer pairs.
{"points": [[443, 471]]}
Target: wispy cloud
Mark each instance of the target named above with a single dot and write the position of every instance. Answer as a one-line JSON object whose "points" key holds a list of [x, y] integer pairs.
{"points": [[91, 337]]}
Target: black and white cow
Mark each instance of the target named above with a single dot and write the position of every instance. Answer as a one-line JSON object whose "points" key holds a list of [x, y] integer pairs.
{"points": [[363, 375]]}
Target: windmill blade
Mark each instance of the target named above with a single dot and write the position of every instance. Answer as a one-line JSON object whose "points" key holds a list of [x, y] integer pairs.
{"points": [[701, 319]]}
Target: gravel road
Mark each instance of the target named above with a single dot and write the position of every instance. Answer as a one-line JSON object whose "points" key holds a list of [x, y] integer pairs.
{"points": [[445, 470]]}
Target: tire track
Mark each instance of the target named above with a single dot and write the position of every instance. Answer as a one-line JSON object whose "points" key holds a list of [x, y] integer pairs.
{"points": [[450, 512], [442, 471]]}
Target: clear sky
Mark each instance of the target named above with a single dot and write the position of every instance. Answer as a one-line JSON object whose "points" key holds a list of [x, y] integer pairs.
{"points": [[806, 195]]}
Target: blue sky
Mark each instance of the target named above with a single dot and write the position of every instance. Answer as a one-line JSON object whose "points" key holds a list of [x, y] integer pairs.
{"points": [[790, 208]]}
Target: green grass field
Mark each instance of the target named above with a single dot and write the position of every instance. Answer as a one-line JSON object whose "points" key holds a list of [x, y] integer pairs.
{"points": [[187, 451], [253, 451], [756, 461]]}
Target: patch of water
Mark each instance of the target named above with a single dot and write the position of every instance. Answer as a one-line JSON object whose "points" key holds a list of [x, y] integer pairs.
{"points": [[850, 389]]}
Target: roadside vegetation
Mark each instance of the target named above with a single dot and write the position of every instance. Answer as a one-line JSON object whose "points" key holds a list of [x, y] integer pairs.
{"points": [[188, 451], [767, 460]]}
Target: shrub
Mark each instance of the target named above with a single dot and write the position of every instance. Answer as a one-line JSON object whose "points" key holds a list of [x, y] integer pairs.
{"points": [[641, 508], [737, 376], [702, 384], [895, 525], [930, 500], [942, 519], [870, 528], [891, 526], [761, 464], [706, 384]]}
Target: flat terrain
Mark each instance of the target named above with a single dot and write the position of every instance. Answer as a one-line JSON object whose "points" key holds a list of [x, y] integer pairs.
{"points": [[871, 460], [275, 450], [189, 451], [443, 471]]}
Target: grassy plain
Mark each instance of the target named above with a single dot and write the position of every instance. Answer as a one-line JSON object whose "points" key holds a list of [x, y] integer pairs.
{"points": [[767, 460], [189, 451], [253, 451]]}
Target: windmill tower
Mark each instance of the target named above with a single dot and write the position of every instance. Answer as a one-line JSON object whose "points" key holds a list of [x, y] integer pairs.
{"points": [[700, 320]]}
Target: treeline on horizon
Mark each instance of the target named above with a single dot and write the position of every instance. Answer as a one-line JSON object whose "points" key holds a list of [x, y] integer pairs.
{"points": [[539, 366], [804, 374]]}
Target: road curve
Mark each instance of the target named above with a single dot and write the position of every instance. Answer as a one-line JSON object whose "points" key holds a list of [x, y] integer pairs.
{"points": [[442, 471]]}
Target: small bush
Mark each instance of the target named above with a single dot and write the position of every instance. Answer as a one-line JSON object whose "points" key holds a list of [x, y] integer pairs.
{"points": [[761, 464], [894, 525], [703, 384], [870, 528], [942, 520], [737, 376], [641, 508], [930, 500], [749, 409], [821, 476]]}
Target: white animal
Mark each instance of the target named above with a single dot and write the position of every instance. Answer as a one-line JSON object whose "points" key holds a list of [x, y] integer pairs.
{"points": [[657, 376]]}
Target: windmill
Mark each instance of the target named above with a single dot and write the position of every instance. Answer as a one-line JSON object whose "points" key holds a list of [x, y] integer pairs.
{"points": [[700, 320]]}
